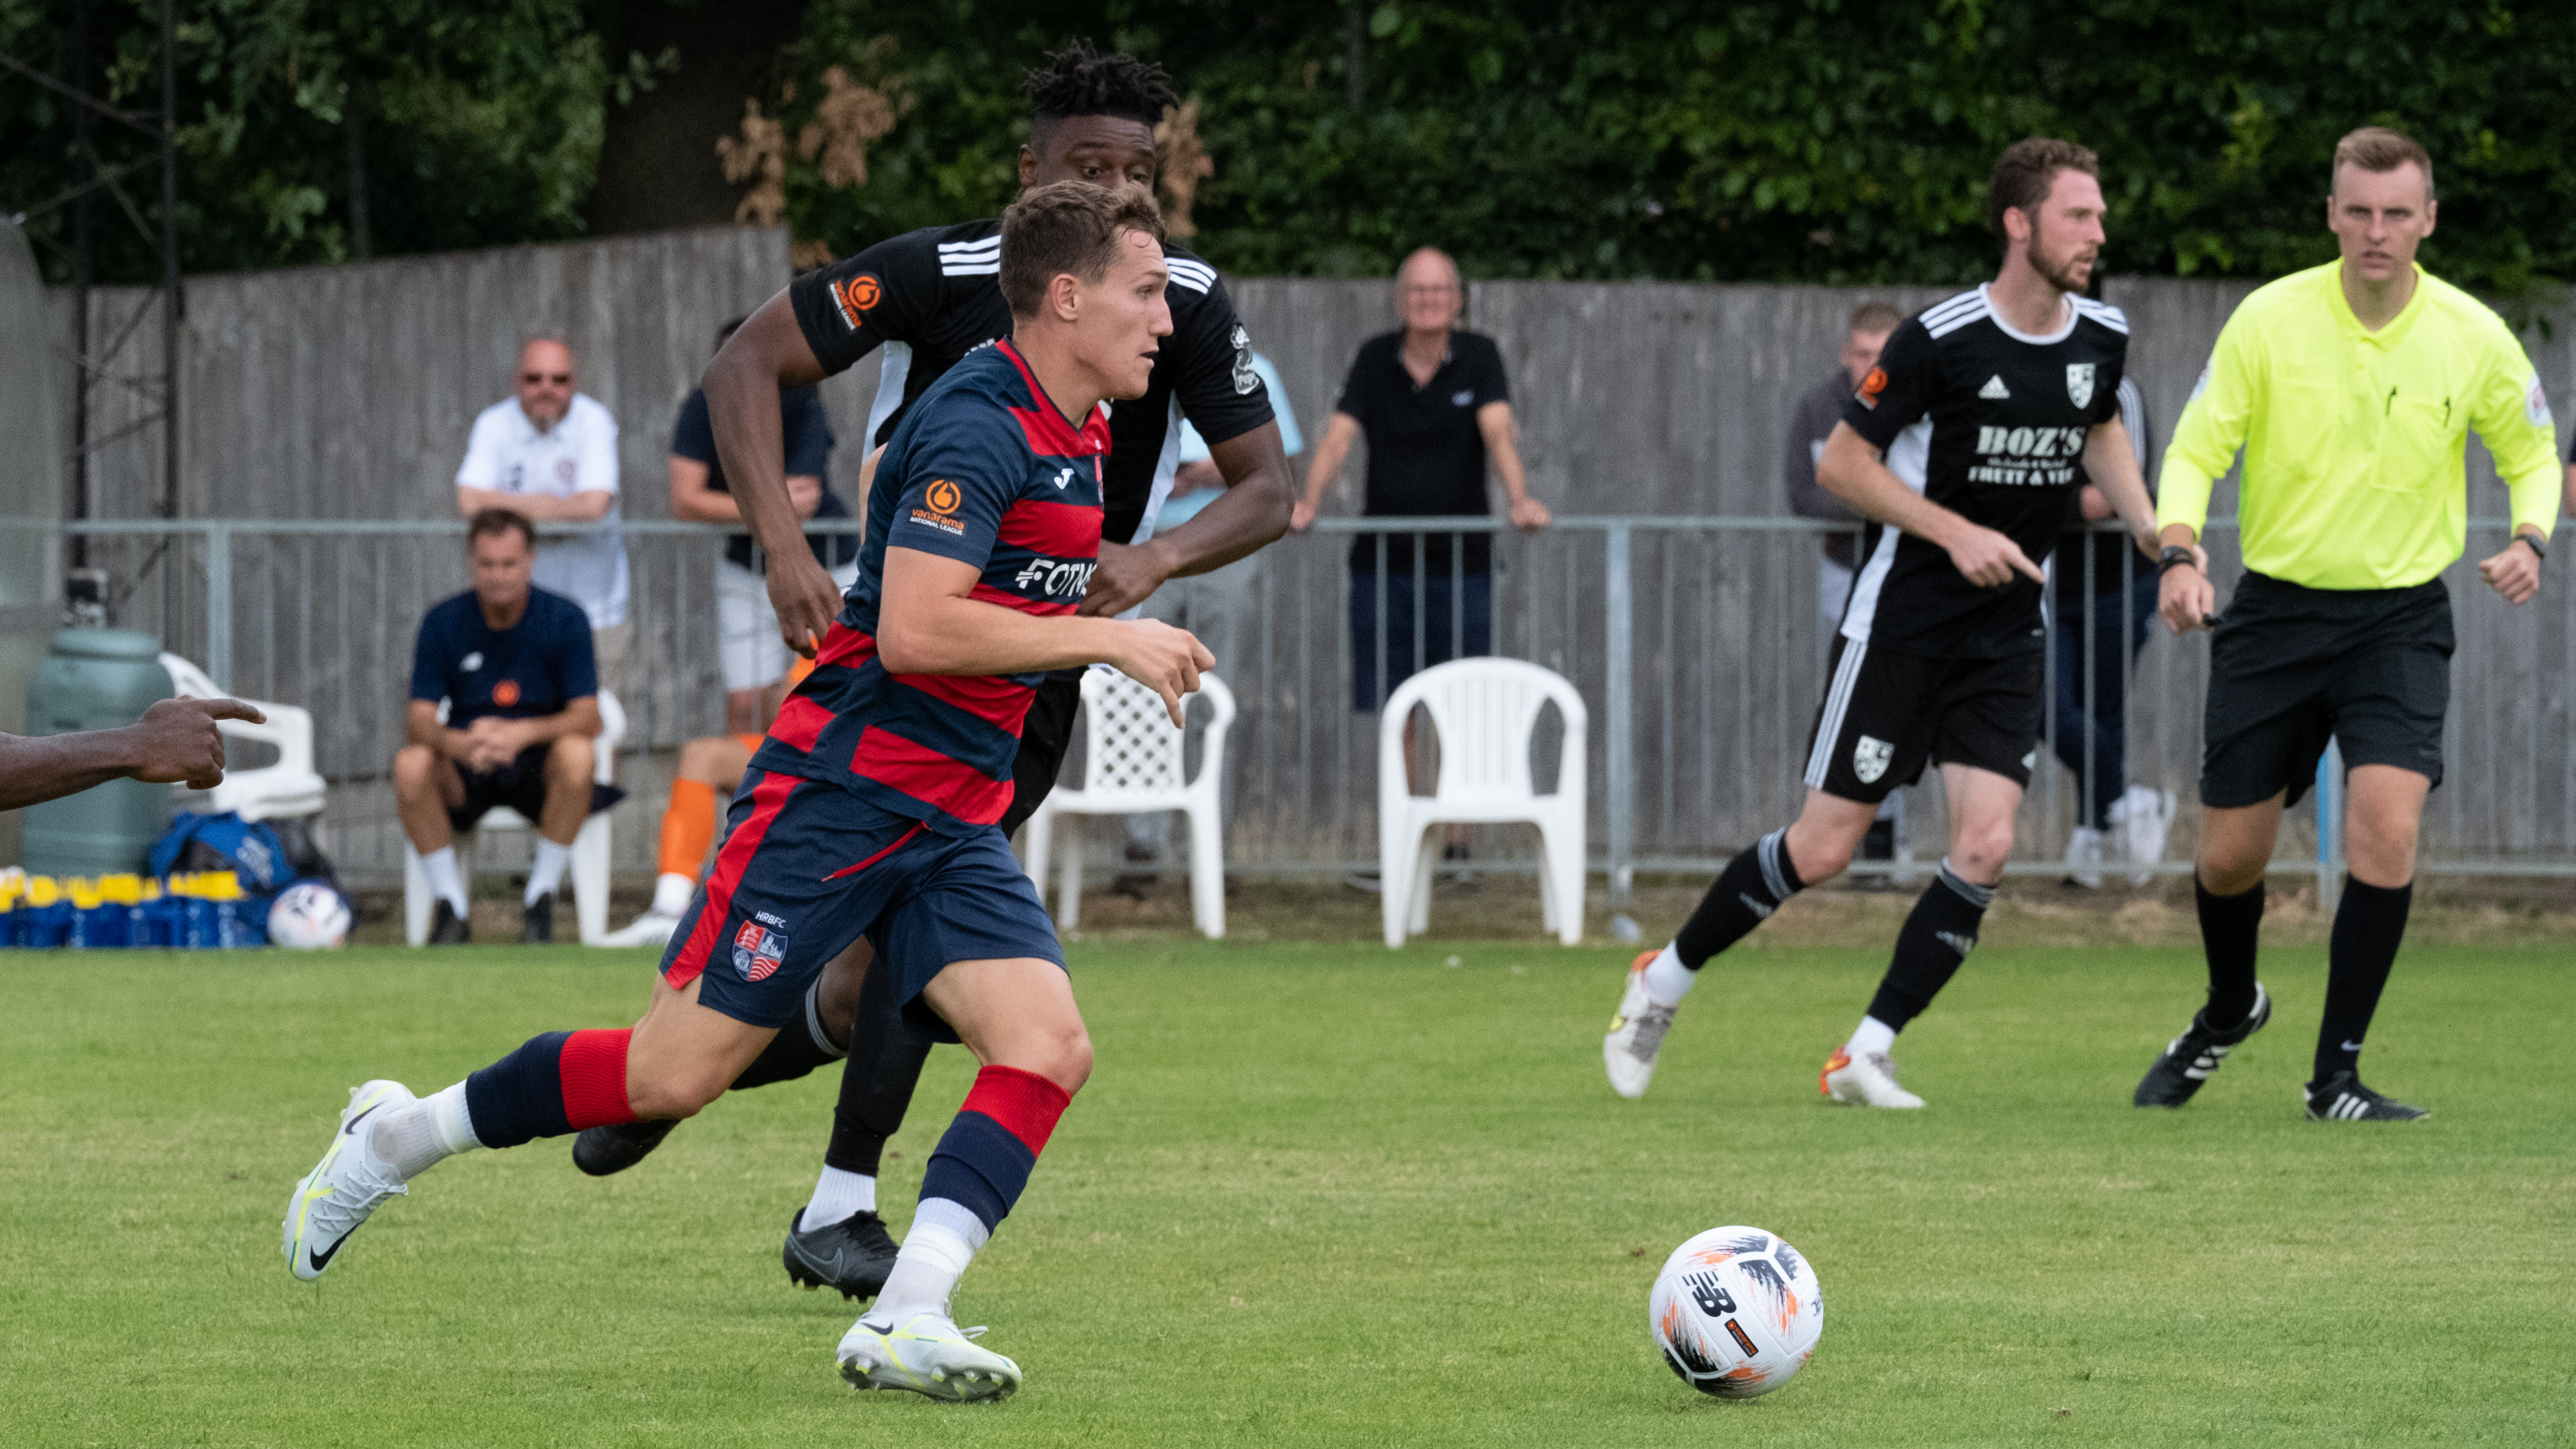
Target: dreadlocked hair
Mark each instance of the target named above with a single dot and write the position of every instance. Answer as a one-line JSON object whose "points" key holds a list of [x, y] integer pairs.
{"points": [[1080, 81]]}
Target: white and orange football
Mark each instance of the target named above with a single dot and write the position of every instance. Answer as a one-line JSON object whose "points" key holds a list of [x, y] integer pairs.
{"points": [[1736, 1312]]}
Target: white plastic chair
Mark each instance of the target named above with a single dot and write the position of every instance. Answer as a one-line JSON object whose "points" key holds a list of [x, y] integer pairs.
{"points": [[1484, 711], [271, 792], [1133, 764], [589, 848]]}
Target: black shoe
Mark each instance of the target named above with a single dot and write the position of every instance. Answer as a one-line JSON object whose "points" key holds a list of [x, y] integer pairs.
{"points": [[448, 928], [1879, 841], [603, 1151], [853, 1255], [1456, 873], [2342, 1098], [537, 928], [2192, 1057]]}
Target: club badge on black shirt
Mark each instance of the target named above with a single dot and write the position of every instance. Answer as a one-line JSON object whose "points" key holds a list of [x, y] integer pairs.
{"points": [[1991, 424]]}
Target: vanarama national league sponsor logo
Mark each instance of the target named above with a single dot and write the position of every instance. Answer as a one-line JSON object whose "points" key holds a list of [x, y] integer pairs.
{"points": [[939, 507]]}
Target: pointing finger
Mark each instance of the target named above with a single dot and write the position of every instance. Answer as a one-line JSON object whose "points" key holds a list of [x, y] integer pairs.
{"points": [[234, 709]]}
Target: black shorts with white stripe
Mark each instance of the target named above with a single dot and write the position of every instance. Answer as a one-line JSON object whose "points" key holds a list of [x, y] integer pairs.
{"points": [[1886, 714]]}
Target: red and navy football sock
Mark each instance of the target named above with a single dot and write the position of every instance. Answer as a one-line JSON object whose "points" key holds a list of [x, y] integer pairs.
{"points": [[557, 1084], [973, 1179]]}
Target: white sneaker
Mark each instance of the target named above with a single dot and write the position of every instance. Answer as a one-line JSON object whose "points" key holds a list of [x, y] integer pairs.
{"points": [[1868, 1080], [649, 929], [2143, 827], [2084, 857], [1636, 1034], [346, 1187], [924, 1351]]}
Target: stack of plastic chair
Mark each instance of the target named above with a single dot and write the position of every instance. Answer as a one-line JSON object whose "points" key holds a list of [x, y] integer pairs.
{"points": [[589, 872], [1134, 763], [1484, 712]]}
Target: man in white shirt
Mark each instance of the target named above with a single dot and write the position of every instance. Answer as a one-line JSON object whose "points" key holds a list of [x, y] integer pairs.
{"points": [[550, 455]]}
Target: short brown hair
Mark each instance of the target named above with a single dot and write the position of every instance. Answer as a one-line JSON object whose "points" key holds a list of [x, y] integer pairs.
{"points": [[1068, 226], [1875, 317], [493, 522], [2377, 148], [2025, 172]]}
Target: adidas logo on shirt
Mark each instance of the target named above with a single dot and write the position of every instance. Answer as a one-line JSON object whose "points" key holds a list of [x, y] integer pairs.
{"points": [[1995, 388]]}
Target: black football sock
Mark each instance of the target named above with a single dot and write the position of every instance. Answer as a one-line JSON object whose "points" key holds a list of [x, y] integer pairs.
{"points": [[2230, 929], [1938, 934], [1750, 888], [800, 1046], [2367, 928], [886, 1058]]}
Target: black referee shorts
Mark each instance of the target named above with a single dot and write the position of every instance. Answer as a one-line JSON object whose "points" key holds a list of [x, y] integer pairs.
{"points": [[1887, 714], [2292, 667]]}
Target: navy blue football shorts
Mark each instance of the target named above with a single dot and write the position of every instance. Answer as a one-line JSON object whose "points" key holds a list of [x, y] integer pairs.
{"points": [[806, 868]]}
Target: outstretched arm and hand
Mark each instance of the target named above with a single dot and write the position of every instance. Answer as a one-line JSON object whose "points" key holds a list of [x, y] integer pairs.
{"points": [[1502, 444], [930, 623], [1324, 467], [763, 357], [1259, 495], [176, 741], [1852, 471]]}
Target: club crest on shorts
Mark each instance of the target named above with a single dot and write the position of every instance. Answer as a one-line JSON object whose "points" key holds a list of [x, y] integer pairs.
{"points": [[1869, 759], [757, 952], [2079, 383]]}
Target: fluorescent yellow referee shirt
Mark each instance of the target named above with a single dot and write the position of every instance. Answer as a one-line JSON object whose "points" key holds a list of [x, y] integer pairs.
{"points": [[2354, 475]]}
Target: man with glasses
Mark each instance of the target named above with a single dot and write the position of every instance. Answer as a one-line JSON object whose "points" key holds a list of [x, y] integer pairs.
{"points": [[1435, 406], [549, 455]]}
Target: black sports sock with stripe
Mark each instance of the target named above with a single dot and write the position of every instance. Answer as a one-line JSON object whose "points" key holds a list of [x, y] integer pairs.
{"points": [[2368, 926], [1750, 888], [2231, 928], [1938, 935]]}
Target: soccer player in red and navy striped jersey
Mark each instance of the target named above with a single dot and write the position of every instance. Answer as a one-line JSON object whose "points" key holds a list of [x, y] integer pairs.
{"points": [[871, 808]]}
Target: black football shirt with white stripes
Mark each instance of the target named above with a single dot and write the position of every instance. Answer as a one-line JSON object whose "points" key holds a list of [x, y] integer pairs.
{"points": [[1989, 423], [929, 297]]}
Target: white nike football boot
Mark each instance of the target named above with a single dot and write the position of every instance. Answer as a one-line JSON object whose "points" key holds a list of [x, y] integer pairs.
{"points": [[347, 1186], [649, 929], [923, 1350], [1636, 1034], [1868, 1080]]}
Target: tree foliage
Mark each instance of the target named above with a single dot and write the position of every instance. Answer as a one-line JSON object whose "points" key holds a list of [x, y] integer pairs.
{"points": [[1806, 140]]}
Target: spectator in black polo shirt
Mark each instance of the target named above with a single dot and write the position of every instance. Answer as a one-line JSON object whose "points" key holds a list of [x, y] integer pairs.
{"points": [[754, 655], [1435, 406]]}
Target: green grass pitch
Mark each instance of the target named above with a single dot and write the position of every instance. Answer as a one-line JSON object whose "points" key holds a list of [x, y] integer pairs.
{"points": [[1322, 1195]]}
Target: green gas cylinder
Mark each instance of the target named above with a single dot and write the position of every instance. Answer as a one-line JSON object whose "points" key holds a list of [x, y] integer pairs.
{"points": [[96, 679]]}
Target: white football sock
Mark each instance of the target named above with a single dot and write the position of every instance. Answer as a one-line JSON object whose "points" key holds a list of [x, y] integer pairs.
{"points": [[418, 1137], [838, 1194], [1872, 1035], [671, 894], [1667, 979], [547, 873], [440, 866], [936, 1249]]}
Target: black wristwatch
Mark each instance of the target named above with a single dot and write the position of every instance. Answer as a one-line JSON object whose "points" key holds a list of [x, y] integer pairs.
{"points": [[2529, 542], [2174, 556]]}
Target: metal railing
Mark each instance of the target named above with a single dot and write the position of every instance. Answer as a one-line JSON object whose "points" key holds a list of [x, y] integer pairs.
{"points": [[1698, 639]]}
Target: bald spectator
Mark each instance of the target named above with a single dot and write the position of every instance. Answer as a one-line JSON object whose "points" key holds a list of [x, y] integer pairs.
{"points": [[549, 455], [1436, 409]]}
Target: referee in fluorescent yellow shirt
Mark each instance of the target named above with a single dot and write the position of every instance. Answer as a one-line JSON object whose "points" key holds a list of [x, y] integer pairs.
{"points": [[2352, 388]]}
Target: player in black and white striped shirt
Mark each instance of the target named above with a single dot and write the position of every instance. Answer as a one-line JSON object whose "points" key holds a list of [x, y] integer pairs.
{"points": [[1963, 446]]}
